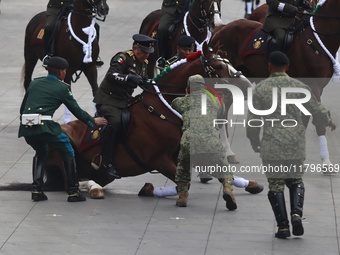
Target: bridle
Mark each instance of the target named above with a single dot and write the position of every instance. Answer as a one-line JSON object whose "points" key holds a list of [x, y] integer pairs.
{"points": [[92, 10], [204, 18], [211, 72]]}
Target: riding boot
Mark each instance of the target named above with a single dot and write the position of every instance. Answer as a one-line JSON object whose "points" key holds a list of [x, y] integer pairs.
{"points": [[38, 182], [277, 201], [48, 41], [228, 195], [274, 45], [108, 151], [297, 193], [74, 194], [183, 194]]}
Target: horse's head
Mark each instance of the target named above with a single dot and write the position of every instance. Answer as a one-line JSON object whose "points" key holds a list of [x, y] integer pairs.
{"points": [[214, 13], [205, 13], [92, 8]]}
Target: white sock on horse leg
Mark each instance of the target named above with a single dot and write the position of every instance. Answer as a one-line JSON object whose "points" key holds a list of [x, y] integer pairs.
{"points": [[240, 182], [165, 191], [248, 7], [324, 154]]}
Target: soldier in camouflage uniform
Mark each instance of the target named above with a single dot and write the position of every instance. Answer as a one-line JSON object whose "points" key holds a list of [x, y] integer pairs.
{"points": [[127, 70], [200, 143], [281, 15], [44, 96], [283, 146]]}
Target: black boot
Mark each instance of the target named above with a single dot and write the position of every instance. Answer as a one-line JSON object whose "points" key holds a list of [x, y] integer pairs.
{"points": [[274, 45], [108, 150], [38, 182], [277, 201], [74, 194], [297, 193], [48, 41]]}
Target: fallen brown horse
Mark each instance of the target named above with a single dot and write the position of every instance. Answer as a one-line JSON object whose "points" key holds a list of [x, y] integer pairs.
{"points": [[154, 132], [308, 59]]}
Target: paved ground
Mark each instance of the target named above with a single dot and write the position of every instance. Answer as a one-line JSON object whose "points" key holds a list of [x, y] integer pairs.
{"points": [[124, 223]]}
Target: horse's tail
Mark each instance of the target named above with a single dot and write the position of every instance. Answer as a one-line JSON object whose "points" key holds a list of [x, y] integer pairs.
{"points": [[16, 186]]}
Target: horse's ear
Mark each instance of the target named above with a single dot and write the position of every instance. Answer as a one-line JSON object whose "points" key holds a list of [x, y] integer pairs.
{"points": [[205, 48], [216, 47]]}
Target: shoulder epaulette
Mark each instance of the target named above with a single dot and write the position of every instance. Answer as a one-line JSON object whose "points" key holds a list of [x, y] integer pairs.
{"points": [[130, 53], [171, 60]]}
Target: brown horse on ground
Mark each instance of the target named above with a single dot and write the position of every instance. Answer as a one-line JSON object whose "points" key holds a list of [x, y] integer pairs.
{"points": [[307, 57], [154, 131], [202, 17], [66, 45]]}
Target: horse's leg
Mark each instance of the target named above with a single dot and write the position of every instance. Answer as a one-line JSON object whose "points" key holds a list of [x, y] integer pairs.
{"points": [[91, 74], [95, 190], [28, 68]]}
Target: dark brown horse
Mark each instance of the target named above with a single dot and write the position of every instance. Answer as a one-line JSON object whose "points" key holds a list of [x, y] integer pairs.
{"points": [[154, 132], [202, 17], [66, 43], [307, 57]]}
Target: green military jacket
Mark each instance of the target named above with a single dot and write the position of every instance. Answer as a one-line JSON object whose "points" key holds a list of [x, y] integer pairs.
{"points": [[44, 96], [280, 14], [114, 89], [279, 142]]}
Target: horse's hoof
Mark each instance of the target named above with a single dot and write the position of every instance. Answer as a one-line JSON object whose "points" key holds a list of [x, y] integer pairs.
{"points": [[97, 194], [232, 159], [147, 190], [254, 188]]}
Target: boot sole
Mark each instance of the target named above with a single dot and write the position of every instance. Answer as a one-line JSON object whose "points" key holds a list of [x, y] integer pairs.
{"points": [[297, 227], [230, 202]]}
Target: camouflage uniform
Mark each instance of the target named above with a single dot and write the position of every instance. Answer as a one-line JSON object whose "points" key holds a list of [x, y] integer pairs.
{"points": [[200, 143], [281, 15], [284, 146]]}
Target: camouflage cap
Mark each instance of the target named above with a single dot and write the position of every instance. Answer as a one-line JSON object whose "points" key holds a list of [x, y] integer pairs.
{"points": [[195, 81]]}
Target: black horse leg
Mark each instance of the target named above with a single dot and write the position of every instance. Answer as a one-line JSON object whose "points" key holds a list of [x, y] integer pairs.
{"points": [[92, 76]]}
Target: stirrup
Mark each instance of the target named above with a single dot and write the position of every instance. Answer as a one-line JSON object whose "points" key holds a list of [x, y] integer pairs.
{"points": [[94, 165]]}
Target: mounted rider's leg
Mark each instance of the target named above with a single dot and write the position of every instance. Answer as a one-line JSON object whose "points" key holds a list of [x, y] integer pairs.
{"points": [[113, 115], [99, 62], [279, 37], [51, 14]]}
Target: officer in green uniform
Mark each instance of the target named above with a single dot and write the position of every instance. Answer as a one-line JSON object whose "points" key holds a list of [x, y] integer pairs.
{"points": [[127, 70], [282, 147], [281, 15], [43, 97], [172, 12], [54, 7], [185, 47], [200, 143]]}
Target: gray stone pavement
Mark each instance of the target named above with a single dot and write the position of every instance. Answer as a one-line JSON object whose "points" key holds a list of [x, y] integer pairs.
{"points": [[124, 223]]}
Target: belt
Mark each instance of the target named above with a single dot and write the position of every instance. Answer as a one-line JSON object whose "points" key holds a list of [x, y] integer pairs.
{"points": [[45, 117]]}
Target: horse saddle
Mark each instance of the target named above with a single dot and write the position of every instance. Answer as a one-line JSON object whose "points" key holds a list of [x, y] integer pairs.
{"points": [[95, 136], [261, 42]]}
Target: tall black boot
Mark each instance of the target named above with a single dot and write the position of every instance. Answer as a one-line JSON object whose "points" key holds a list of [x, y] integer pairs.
{"points": [[108, 150], [38, 179], [297, 193], [277, 201], [74, 194], [48, 40]]}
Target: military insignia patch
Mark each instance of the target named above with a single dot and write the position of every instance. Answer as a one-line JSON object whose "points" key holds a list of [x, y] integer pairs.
{"points": [[95, 134], [257, 43], [120, 60]]}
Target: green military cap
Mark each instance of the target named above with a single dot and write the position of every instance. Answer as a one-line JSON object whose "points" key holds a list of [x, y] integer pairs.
{"points": [[278, 58], [57, 62], [144, 42], [186, 42], [195, 82]]}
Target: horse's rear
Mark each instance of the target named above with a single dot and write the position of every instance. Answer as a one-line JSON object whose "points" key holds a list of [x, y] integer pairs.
{"points": [[233, 38], [33, 46]]}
